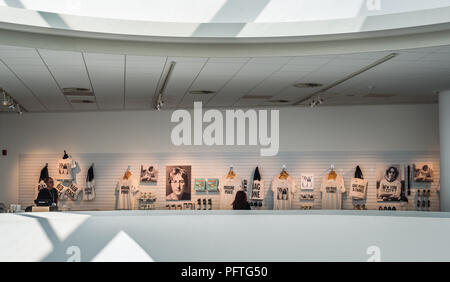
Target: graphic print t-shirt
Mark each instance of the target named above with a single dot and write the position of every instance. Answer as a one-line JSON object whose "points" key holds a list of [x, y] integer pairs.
{"points": [[228, 188], [257, 190], [73, 191], [358, 188], [389, 189], [283, 192], [64, 169], [61, 190], [332, 190], [126, 189]]}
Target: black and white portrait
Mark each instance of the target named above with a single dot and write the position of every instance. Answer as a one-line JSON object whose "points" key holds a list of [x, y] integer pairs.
{"points": [[390, 182], [178, 183], [149, 174], [423, 172], [282, 193]]}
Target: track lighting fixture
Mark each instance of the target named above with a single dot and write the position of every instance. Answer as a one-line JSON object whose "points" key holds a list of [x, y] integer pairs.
{"points": [[6, 99], [315, 101], [159, 100], [348, 77], [19, 110], [8, 102]]}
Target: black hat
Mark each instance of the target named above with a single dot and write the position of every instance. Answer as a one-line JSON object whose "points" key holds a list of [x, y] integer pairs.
{"points": [[358, 173], [44, 174], [256, 175], [90, 174]]}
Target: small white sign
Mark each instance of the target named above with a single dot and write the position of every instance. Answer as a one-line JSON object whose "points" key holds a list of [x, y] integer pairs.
{"points": [[306, 181]]}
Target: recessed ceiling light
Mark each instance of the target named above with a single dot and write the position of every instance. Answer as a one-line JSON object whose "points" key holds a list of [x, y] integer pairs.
{"points": [[307, 85], [201, 92], [81, 101], [77, 91]]}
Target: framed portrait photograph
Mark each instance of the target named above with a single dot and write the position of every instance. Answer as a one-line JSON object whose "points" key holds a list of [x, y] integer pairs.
{"points": [[149, 174], [423, 172], [178, 183], [390, 182], [306, 181]]}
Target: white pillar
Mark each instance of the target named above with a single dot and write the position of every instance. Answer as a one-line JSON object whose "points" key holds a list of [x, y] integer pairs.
{"points": [[444, 133]]}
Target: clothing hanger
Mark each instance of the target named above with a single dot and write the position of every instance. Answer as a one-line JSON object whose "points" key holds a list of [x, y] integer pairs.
{"points": [[127, 173], [332, 174], [283, 173], [231, 174]]}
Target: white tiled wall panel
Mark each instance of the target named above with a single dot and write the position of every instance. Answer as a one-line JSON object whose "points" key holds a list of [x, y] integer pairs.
{"points": [[109, 167]]}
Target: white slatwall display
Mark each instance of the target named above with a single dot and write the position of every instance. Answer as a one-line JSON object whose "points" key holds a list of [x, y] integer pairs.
{"points": [[109, 167]]}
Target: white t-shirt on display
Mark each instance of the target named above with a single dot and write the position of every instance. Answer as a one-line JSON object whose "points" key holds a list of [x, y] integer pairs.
{"points": [[389, 189], [332, 190], [228, 188], [358, 188], [126, 189], [64, 169], [283, 192]]}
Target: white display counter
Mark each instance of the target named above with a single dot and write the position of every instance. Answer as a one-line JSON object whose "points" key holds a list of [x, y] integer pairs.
{"points": [[225, 236]]}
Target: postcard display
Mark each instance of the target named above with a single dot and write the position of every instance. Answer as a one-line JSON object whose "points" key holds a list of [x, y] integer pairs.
{"points": [[295, 181]]}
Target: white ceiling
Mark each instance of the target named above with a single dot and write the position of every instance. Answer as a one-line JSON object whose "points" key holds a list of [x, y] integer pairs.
{"points": [[35, 77]]}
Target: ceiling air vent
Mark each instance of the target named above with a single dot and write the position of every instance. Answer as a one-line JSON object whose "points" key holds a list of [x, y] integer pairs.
{"points": [[282, 101], [82, 101], [257, 97], [307, 85], [374, 95], [201, 92], [77, 91]]}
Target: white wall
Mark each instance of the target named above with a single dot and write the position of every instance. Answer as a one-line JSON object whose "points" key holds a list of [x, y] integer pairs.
{"points": [[138, 235], [334, 129]]}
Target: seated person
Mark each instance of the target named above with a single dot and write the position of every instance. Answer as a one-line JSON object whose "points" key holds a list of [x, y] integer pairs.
{"points": [[240, 202], [48, 196]]}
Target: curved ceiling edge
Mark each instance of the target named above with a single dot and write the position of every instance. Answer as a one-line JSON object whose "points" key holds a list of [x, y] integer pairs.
{"points": [[98, 45]]}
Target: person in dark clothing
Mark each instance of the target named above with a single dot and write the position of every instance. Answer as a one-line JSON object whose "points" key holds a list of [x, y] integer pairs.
{"points": [[240, 201], [49, 194]]}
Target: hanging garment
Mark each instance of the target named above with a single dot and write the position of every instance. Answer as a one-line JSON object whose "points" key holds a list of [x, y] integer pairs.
{"points": [[283, 192], [332, 190], [358, 185], [89, 189], [228, 188], [64, 169], [126, 190], [257, 192], [41, 182]]}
